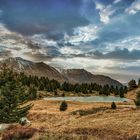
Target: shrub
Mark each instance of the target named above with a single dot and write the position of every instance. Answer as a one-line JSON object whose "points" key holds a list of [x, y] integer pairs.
{"points": [[132, 85], [113, 105], [63, 106], [84, 112], [19, 133], [137, 102]]}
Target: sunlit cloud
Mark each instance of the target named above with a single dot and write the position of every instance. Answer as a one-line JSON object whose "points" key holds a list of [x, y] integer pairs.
{"points": [[134, 8], [105, 12]]}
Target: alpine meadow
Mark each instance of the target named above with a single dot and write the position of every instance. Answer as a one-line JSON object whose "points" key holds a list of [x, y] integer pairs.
{"points": [[69, 70]]}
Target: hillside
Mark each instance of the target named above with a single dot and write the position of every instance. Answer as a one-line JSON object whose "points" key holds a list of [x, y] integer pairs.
{"points": [[132, 94], [83, 76], [31, 68], [70, 75]]}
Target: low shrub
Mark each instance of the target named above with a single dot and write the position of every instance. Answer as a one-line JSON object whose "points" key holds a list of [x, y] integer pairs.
{"points": [[15, 133], [88, 111], [113, 105], [137, 102], [63, 106]]}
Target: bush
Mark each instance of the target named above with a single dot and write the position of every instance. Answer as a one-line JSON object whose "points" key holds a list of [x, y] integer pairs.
{"points": [[137, 102], [19, 133], [132, 85], [89, 111], [113, 105], [63, 106]]}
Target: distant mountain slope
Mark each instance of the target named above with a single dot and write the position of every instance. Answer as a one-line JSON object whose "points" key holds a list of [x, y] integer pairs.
{"points": [[83, 76], [31, 68], [70, 75]]}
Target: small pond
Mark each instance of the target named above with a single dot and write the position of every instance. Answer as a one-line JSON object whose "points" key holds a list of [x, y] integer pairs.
{"points": [[89, 99]]}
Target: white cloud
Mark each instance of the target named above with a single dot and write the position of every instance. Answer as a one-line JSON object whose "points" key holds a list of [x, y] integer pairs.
{"points": [[83, 62], [69, 51], [131, 43], [13, 42], [134, 8], [42, 40], [116, 1], [82, 34], [105, 12]]}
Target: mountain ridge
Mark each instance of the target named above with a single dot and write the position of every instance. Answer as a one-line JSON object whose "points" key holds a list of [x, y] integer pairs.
{"points": [[19, 64]]}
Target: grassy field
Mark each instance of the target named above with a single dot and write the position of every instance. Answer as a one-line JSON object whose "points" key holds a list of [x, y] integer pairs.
{"points": [[123, 123], [96, 122]]}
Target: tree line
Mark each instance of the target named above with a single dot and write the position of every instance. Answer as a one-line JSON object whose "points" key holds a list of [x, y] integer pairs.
{"points": [[45, 84]]}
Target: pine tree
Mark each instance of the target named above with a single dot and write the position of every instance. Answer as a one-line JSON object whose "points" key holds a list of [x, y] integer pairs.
{"points": [[121, 92], [32, 93], [63, 106], [113, 105], [11, 105], [137, 101], [132, 84], [139, 82]]}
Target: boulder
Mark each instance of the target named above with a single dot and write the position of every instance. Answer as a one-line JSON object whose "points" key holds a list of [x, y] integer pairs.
{"points": [[24, 121]]}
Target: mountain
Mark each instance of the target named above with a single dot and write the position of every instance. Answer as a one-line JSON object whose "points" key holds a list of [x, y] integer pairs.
{"points": [[83, 76], [31, 68], [70, 75]]}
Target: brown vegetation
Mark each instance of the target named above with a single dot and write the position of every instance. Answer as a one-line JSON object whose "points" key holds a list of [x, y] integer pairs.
{"points": [[99, 123], [106, 124]]}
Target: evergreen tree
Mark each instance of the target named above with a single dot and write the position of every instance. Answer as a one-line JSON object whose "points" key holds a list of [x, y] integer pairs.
{"points": [[11, 105], [121, 92], [63, 106], [132, 84], [113, 105], [137, 101], [139, 82], [32, 93]]}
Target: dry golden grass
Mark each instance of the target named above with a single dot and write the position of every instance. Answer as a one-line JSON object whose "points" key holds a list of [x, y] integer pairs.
{"points": [[123, 123], [132, 94]]}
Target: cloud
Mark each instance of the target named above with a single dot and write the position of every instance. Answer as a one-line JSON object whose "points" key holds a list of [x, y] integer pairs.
{"points": [[134, 8], [82, 35], [105, 12], [116, 1], [120, 54], [11, 41], [41, 39], [36, 17], [69, 51]]}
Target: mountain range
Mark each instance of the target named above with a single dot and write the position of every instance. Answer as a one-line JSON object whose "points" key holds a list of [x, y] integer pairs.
{"points": [[69, 75]]}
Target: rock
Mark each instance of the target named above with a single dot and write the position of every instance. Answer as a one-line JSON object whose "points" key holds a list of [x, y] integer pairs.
{"points": [[24, 121], [4, 126]]}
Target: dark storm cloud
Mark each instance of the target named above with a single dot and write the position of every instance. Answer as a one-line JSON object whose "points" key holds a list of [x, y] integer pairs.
{"points": [[41, 16], [119, 54], [123, 54]]}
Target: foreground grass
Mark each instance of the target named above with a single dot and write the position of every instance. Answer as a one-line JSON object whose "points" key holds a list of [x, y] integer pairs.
{"points": [[99, 123], [123, 123]]}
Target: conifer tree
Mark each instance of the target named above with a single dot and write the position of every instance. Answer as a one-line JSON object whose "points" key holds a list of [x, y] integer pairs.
{"points": [[132, 84], [137, 101], [11, 105], [63, 106], [113, 105]]}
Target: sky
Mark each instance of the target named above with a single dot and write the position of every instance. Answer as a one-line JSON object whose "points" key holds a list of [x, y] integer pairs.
{"points": [[101, 36]]}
